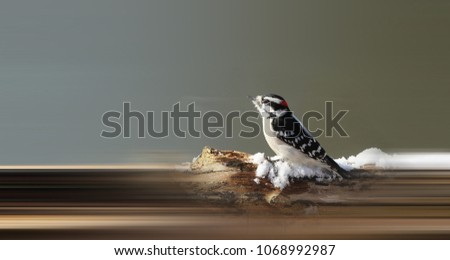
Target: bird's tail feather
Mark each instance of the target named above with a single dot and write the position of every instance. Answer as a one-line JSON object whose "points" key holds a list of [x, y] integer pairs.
{"points": [[336, 167]]}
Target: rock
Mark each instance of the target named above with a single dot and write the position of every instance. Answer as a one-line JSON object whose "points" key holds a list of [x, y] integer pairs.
{"points": [[213, 160], [227, 177]]}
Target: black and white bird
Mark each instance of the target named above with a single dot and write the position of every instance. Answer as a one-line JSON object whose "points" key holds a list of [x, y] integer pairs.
{"points": [[287, 136]]}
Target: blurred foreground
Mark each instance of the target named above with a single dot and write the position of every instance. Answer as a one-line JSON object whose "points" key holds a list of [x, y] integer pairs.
{"points": [[160, 204]]}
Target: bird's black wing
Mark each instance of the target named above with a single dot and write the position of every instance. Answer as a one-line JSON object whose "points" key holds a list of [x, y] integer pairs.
{"points": [[291, 131]]}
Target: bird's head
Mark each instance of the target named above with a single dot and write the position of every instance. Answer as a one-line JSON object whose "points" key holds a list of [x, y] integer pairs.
{"points": [[270, 105]]}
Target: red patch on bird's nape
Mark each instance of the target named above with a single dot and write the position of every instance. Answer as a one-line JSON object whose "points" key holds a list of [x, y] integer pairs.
{"points": [[284, 103]]}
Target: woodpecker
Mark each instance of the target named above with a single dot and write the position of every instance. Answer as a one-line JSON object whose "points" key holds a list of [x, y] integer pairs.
{"points": [[287, 136]]}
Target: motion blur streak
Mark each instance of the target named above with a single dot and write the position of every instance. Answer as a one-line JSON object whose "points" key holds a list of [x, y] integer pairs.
{"points": [[157, 204]]}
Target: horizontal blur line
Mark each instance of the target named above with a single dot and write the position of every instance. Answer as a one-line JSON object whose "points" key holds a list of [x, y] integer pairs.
{"points": [[93, 221], [109, 208], [183, 167], [155, 166]]}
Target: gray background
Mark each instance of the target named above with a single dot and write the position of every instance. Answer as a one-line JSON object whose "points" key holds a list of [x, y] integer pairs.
{"points": [[64, 63]]}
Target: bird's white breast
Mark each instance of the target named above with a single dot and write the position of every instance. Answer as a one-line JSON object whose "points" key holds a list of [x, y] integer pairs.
{"points": [[284, 150]]}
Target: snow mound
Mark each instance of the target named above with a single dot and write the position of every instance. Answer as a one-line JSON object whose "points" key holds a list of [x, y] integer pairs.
{"points": [[281, 173], [372, 156]]}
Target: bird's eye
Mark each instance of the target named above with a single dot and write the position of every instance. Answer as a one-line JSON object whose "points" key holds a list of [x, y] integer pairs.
{"points": [[265, 101]]}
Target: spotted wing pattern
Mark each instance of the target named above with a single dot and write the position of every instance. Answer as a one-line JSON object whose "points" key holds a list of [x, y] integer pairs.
{"points": [[291, 131]]}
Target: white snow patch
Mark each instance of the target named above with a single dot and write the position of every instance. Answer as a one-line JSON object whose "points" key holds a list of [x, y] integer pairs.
{"points": [[372, 156], [402, 161], [420, 161], [280, 173], [258, 158]]}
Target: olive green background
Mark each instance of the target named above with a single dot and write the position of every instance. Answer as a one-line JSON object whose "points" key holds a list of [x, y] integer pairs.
{"points": [[64, 63]]}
